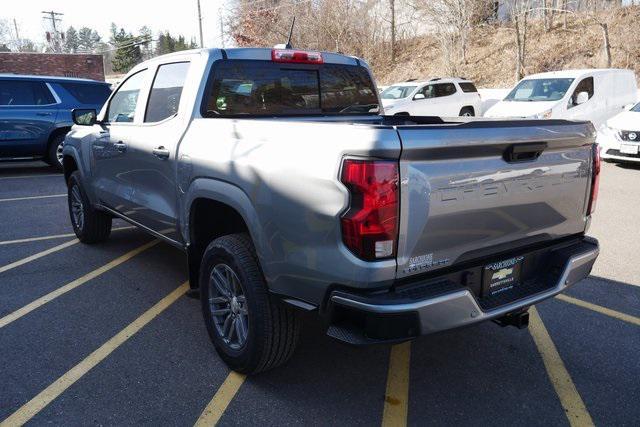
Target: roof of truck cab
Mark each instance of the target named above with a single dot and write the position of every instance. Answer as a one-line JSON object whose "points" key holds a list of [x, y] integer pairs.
{"points": [[257, 53], [33, 77], [577, 73]]}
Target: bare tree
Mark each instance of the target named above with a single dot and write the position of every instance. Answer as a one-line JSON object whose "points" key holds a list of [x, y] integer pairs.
{"points": [[519, 11]]}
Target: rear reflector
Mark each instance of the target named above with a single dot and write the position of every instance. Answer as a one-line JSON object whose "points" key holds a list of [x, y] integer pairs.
{"points": [[296, 56], [370, 225], [595, 179]]}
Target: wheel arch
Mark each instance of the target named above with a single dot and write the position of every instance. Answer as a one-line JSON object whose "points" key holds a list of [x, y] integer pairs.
{"points": [[212, 209], [468, 107]]}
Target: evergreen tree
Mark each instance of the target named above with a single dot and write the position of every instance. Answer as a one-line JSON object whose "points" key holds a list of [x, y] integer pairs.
{"points": [[88, 39], [71, 41], [128, 52], [168, 43]]}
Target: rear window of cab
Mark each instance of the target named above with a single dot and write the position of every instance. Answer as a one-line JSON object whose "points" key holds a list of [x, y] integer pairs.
{"points": [[262, 88], [468, 87]]}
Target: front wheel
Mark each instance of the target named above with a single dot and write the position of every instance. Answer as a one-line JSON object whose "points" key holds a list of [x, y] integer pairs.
{"points": [[251, 331], [89, 224]]}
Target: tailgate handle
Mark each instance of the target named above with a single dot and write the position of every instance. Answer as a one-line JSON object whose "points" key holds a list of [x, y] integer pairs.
{"points": [[524, 152]]}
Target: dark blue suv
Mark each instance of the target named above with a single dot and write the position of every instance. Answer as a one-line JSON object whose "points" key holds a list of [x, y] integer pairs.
{"points": [[35, 114]]}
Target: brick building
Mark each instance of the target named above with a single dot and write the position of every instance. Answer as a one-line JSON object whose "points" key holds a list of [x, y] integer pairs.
{"points": [[53, 64]]}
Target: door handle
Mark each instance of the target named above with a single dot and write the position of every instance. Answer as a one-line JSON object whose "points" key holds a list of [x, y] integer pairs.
{"points": [[43, 114], [161, 152], [120, 146]]}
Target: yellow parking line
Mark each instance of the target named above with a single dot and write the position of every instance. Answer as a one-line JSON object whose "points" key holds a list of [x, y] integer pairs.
{"points": [[4, 321], [570, 399], [55, 236], [396, 399], [45, 397], [38, 255], [600, 309], [16, 199], [225, 394]]}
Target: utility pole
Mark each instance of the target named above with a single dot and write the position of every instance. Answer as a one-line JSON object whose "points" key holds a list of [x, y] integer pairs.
{"points": [[221, 27], [53, 17], [200, 25], [18, 43]]}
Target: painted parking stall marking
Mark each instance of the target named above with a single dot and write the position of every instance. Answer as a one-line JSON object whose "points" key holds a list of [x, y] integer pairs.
{"points": [[38, 255], [53, 237], [72, 285], [574, 407], [600, 309], [17, 199], [225, 394], [396, 399], [55, 389]]}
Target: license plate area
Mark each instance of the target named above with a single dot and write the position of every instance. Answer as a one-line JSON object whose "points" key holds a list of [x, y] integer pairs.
{"points": [[629, 149], [501, 276]]}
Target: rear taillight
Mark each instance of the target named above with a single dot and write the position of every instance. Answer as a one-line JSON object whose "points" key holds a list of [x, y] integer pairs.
{"points": [[595, 179], [370, 225], [296, 56]]}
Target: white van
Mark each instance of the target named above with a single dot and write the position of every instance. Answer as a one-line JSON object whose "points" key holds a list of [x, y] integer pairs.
{"points": [[592, 94]]}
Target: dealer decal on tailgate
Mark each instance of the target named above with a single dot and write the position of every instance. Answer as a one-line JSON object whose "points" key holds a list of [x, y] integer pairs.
{"points": [[501, 276]]}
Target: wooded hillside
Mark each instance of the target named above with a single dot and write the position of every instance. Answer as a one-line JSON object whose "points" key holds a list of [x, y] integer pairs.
{"points": [[492, 43]]}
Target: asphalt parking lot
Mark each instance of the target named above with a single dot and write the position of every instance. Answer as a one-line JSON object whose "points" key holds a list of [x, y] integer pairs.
{"points": [[106, 335]]}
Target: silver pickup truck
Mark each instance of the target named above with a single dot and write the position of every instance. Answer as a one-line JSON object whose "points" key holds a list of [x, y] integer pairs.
{"points": [[290, 191]]}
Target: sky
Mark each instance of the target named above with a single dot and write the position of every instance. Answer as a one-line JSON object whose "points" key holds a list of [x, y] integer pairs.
{"points": [[178, 17]]}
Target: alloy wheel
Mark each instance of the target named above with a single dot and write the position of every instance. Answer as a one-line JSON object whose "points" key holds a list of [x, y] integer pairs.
{"points": [[59, 155], [228, 306], [77, 207]]}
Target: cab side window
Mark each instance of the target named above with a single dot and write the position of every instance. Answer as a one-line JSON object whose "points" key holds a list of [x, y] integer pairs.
{"points": [[122, 107], [585, 85], [166, 91]]}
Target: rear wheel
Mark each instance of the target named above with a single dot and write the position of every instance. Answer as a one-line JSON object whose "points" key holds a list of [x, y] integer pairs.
{"points": [[89, 224], [54, 152], [251, 331], [467, 112]]}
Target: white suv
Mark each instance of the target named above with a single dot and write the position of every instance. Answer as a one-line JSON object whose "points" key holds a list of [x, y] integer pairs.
{"points": [[446, 97]]}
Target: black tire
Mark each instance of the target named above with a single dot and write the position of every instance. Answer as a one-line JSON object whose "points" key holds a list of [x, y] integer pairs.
{"points": [[53, 152], [467, 112], [271, 329], [95, 225]]}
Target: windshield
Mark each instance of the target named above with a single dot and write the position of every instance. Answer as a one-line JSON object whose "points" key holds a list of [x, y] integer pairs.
{"points": [[540, 90], [636, 108], [397, 92]]}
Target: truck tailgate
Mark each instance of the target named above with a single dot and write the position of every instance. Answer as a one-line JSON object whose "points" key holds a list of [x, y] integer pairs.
{"points": [[472, 190]]}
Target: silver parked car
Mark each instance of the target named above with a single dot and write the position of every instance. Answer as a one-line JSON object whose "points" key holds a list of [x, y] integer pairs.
{"points": [[275, 172]]}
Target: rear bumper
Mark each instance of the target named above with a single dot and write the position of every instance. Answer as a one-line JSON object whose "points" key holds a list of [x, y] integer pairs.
{"points": [[390, 317]]}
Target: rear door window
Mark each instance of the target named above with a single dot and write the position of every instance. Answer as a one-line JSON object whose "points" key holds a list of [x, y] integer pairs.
{"points": [[24, 93], [261, 88], [166, 91], [468, 87], [88, 93], [444, 89]]}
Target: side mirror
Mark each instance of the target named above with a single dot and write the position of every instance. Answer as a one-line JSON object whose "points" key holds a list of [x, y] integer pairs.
{"points": [[582, 98], [84, 117], [418, 96]]}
